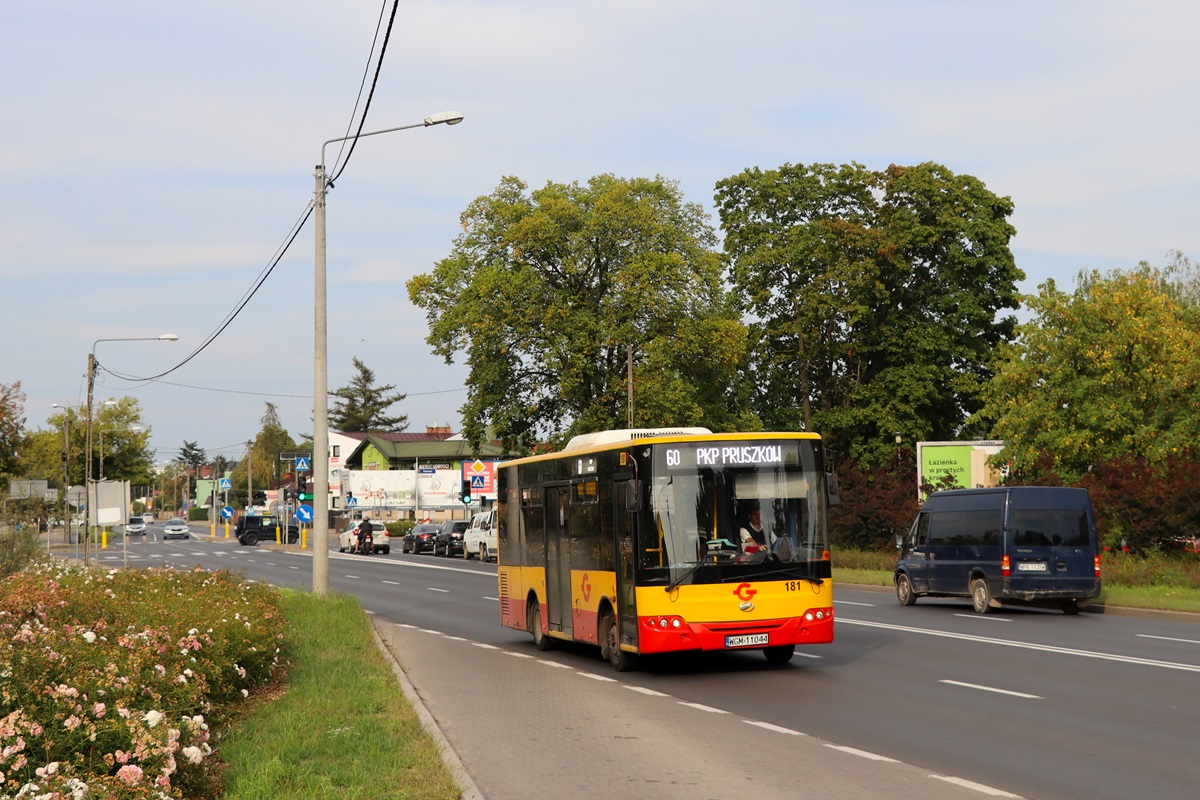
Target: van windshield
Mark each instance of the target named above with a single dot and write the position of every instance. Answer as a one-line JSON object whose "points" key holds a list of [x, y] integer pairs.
{"points": [[1045, 528]]}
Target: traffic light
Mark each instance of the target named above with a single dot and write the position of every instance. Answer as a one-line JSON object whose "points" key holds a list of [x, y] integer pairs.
{"points": [[466, 492], [303, 493], [287, 495]]}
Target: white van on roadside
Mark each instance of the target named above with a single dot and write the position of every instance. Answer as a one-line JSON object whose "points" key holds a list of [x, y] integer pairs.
{"points": [[480, 539]]}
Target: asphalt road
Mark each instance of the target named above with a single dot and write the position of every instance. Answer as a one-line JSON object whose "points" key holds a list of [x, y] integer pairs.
{"points": [[931, 700]]}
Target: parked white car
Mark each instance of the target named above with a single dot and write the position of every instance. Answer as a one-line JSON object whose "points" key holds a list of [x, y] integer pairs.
{"points": [[480, 539]]}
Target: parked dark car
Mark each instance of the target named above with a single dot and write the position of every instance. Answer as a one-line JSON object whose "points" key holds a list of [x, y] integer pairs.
{"points": [[449, 539], [420, 538], [251, 530]]}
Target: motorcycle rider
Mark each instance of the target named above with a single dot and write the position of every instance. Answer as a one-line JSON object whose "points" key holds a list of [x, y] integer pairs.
{"points": [[366, 537]]}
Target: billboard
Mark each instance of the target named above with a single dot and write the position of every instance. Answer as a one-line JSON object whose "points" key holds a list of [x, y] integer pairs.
{"points": [[963, 463]]}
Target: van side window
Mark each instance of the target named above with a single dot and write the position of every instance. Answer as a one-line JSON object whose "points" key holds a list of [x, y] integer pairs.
{"points": [[972, 528], [1044, 528]]}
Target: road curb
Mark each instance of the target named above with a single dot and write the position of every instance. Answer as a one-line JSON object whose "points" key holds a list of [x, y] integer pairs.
{"points": [[469, 791]]}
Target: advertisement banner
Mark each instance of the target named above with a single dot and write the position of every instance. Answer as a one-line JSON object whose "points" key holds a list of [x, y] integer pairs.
{"points": [[963, 465]]}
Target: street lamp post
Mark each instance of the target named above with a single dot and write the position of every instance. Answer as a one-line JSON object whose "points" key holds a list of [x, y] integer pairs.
{"points": [[320, 461], [91, 383]]}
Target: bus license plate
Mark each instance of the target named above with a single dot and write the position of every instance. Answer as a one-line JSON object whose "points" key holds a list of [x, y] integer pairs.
{"points": [[746, 641], [1031, 566]]}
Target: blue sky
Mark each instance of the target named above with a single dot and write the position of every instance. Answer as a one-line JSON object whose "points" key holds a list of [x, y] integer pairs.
{"points": [[157, 154]]}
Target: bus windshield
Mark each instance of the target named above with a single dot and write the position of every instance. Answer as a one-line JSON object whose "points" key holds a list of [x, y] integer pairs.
{"points": [[724, 510]]}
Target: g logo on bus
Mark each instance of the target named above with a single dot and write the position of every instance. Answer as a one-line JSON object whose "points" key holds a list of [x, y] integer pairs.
{"points": [[585, 586], [744, 592]]}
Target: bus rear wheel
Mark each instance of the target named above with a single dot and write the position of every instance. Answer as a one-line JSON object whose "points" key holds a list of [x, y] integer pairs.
{"points": [[610, 645], [540, 640]]}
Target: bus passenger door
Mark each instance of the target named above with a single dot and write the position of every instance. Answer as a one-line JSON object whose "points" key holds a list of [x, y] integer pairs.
{"points": [[558, 560], [623, 522]]}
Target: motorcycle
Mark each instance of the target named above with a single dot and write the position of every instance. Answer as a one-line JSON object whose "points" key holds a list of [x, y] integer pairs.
{"points": [[366, 543]]}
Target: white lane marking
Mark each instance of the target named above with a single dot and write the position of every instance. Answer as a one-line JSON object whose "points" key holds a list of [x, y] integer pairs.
{"points": [[517, 655], [601, 678], [645, 691], [992, 689], [984, 617], [485, 646], [700, 707], [1167, 638], [978, 787], [436, 589], [493, 599], [768, 726], [854, 751], [809, 655], [850, 603], [392, 583], [1045, 648], [293, 568], [456, 638], [355, 577], [555, 664], [427, 630]]}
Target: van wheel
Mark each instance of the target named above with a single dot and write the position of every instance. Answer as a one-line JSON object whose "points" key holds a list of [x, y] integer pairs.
{"points": [[540, 640], [610, 645], [981, 596], [1070, 607], [483, 554], [904, 591]]}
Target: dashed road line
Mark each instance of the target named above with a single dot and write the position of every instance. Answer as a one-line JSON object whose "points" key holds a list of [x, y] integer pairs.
{"points": [[992, 689]]}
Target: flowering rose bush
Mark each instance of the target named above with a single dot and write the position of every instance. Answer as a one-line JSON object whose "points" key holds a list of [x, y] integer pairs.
{"points": [[110, 680]]}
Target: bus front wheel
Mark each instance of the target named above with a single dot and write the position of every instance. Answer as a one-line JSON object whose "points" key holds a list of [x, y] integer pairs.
{"points": [[610, 645], [780, 654], [540, 640]]}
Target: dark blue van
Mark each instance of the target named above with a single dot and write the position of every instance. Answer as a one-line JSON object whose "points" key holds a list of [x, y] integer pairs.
{"points": [[1025, 544]]}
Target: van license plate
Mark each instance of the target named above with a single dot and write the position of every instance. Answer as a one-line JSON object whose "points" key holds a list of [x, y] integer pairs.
{"points": [[746, 641], [1031, 566]]}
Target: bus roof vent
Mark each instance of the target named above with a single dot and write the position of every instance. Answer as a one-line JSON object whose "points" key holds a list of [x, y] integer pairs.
{"points": [[586, 440]]}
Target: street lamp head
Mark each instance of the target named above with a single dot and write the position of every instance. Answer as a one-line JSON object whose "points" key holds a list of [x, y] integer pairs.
{"points": [[169, 337], [446, 117]]}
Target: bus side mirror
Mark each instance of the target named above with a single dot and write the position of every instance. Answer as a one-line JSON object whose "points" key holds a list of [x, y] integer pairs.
{"points": [[831, 489], [633, 495]]}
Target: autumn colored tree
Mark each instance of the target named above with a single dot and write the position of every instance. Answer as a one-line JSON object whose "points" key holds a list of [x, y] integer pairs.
{"points": [[1107, 372], [12, 427]]}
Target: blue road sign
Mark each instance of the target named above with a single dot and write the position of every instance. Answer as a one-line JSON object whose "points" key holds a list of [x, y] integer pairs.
{"points": [[226, 512], [351, 502], [226, 485], [301, 465], [476, 481], [304, 513]]}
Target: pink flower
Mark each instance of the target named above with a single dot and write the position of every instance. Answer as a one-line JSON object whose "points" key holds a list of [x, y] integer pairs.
{"points": [[98, 710], [72, 722], [131, 774]]}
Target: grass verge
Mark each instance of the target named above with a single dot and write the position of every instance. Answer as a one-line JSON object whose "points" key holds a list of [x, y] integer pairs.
{"points": [[342, 729]]}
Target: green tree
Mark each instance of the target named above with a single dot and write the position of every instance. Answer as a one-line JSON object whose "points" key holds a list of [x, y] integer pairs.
{"points": [[362, 406], [874, 297], [193, 457], [119, 433], [12, 428], [1108, 372], [550, 295], [262, 457]]}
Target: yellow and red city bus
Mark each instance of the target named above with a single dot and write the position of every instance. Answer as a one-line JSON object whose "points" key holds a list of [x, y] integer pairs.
{"points": [[630, 540]]}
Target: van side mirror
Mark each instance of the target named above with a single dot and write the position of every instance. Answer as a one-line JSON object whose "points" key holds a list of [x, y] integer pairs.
{"points": [[899, 541], [633, 495]]}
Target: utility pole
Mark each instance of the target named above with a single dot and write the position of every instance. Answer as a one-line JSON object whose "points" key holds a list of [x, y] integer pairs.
{"points": [[249, 477]]}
